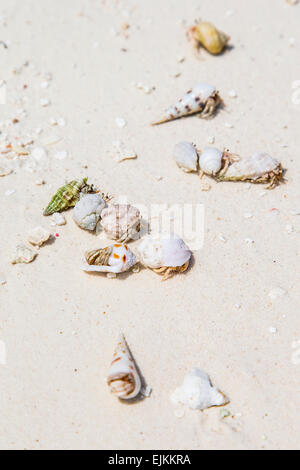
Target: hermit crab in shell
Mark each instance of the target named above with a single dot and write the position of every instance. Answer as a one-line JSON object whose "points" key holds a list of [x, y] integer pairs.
{"points": [[205, 34], [68, 195], [121, 222], [165, 254], [213, 161], [88, 210], [203, 100], [117, 258], [123, 378], [259, 168]]}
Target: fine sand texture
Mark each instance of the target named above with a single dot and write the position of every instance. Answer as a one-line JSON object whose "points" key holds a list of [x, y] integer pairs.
{"points": [[71, 69]]}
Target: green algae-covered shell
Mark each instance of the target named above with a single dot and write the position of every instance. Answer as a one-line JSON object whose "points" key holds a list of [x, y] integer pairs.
{"points": [[66, 197]]}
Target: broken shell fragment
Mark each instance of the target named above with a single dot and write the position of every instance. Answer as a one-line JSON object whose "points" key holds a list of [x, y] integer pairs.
{"points": [[23, 254], [5, 170], [67, 196], [259, 168], [202, 99], [186, 156], [123, 378], [208, 36], [87, 211], [165, 254], [121, 222], [116, 258], [38, 236], [197, 392]]}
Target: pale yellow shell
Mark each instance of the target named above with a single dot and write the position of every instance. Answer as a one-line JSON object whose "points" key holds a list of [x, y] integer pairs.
{"points": [[213, 40]]}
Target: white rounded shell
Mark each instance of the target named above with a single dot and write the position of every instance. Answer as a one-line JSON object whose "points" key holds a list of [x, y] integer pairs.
{"points": [[210, 160], [164, 251], [87, 211], [253, 167], [186, 156]]}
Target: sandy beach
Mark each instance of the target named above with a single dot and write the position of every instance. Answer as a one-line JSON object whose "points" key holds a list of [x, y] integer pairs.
{"points": [[79, 76]]}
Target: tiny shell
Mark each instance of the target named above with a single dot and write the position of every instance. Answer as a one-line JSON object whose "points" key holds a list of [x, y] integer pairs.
{"points": [[38, 236], [66, 196], [121, 222], [165, 254], [186, 156], [210, 161], [23, 254], [58, 219], [116, 258], [123, 378], [207, 35], [197, 392], [259, 168], [87, 211], [202, 99]]}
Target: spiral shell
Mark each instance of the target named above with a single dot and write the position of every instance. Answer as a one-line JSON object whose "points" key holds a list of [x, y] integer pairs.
{"points": [[210, 161], [66, 197], [202, 99], [123, 378], [259, 168], [121, 222], [87, 211], [116, 259], [186, 156], [208, 36], [164, 254]]}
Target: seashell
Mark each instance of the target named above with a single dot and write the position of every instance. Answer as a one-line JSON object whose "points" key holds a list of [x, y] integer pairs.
{"points": [[116, 258], [210, 161], [67, 196], [58, 219], [121, 222], [87, 211], [38, 236], [259, 168], [23, 254], [197, 392], [5, 170], [186, 156], [123, 378], [165, 254], [202, 99], [208, 36]]}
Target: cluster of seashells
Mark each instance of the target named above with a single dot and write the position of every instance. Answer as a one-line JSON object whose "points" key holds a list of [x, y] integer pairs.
{"points": [[225, 166], [165, 254]]}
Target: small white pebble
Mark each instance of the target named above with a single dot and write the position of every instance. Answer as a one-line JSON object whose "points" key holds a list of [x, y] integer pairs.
{"points": [[249, 241], [111, 275], [61, 122], [120, 122], [10, 192], [44, 102], [45, 85], [58, 219], [2, 282], [222, 238], [229, 13], [180, 59], [232, 94], [61, 155], [238, 306], [292, 42], [289, 228], [40, 182], [228, 125], [262, 193], [248, 216], [273, 330], [39, 153], [211, 139], [277, 292]]}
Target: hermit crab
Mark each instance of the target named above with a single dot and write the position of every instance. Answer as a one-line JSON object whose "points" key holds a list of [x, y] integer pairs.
{"points": [[203, 100], [121, 222], [115, 259], [205, 34], [165, 254], [67, 196], [88, 210], [123, 378]]}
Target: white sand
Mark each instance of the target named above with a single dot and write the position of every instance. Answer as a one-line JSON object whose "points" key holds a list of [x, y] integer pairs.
{"points": [[60, 325]]}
